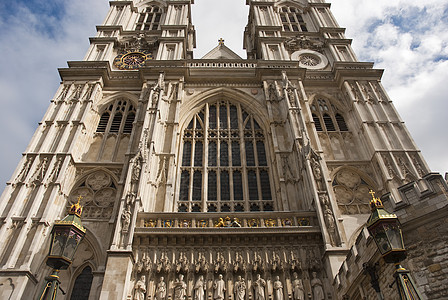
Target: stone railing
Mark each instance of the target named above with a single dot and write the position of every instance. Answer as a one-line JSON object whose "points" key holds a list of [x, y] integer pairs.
{"points": [[283, 220]]}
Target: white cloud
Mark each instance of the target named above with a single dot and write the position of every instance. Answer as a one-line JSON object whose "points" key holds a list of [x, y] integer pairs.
{"points": [[405, 37]]}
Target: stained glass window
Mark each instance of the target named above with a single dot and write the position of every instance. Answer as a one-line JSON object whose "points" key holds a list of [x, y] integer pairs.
{"points": [[222, 132]]}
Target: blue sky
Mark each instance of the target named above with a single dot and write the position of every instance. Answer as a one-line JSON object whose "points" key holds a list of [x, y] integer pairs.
{"points": [[408, 38]]}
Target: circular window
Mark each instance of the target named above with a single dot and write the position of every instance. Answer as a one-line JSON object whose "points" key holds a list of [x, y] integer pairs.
{"points": [[310, 59]]}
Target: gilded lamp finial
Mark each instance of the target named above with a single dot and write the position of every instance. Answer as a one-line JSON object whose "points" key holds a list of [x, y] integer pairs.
{"points": [[77, 208], [375, 202]]}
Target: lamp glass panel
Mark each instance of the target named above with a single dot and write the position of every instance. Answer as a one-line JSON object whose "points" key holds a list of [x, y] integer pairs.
{"points": [[393, 232], [60, 236], [72, 243]]}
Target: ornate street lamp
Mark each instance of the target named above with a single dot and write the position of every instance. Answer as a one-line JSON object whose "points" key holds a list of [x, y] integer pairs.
{"points": [[66, 236], [385, 228]]}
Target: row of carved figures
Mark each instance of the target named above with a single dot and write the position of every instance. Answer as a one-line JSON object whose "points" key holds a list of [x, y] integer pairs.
{"points": [[219, 288], [282, 259]]}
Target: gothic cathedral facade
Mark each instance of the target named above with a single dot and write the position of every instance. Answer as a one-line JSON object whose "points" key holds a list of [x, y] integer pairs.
{"points": [[221, 177]]}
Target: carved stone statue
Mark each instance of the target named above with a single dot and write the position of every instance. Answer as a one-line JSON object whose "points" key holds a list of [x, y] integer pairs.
{"points": [[259, 285], [278, 289], [220, 287], [180, 288], [140, 288], [199, 289], [161, 289], [297, 288], [126, 219], [331, 225], [317, 287], [239, 288]]}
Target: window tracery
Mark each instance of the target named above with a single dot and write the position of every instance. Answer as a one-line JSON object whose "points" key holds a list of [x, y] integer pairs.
{"points": [[118, 117], [150, 18], [326, 117], [351, 192], [292, 19], [224, 163], [98, 191]]}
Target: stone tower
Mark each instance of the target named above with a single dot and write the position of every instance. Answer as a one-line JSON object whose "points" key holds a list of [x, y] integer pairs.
{"points": [[220, 177]]}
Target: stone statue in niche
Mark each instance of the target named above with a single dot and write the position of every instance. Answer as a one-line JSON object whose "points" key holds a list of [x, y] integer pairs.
{"points": [[180, 288], [259, 285], [161, 289], [126, 219], [136, 167], [199, 288], [140, 288], [331, 225], [278, 289], [220, 287], [355, 92], [317, 172], [317, 287], [239, 288], [287, 171], [297, 288], [272, 93]]}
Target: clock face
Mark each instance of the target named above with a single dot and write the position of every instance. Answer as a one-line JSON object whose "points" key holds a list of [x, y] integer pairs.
{"points": [[131, 60]]}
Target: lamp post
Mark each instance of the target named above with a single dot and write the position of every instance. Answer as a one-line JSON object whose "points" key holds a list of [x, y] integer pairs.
{"points": [[66, 236], [385, 228]]}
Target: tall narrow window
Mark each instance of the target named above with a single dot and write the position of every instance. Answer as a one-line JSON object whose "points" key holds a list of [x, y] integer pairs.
{"points": [[292, 19], [224, 132], [150, 18], [83, 283], [326, 117]]}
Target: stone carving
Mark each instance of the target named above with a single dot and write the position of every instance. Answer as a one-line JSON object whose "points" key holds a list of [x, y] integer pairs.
{"points": [[239, 262], [317, 287], [163, 263], [201, 263], [182, 263], [161, 289], [278, 289], [259, 285], [199, 288], [390, 169], [220, 263], [298, 291], [64, 92], [180, 288], [351, 190], [125, 220], [294, 262], [272, 92], [136, 168], [355, 91], [303, 42], [239, 288], [368, 94], [157, 89], [140, 288], [55, 171], [77, 92], [162, 174], [330, 222], [317, 172], [404, 168], [418, 166], [89, 91], [220, 288], [40, 171], [379, 93], [276, 262], [99, 194], [25, 170]]}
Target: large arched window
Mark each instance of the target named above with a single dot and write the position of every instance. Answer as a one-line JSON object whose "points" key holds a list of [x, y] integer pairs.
{"points": [[224, 163], [292, 19], [150, 19]]}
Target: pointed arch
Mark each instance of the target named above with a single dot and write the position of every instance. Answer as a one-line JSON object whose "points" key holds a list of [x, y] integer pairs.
{"points": [[327, 114], [224, 155]]}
